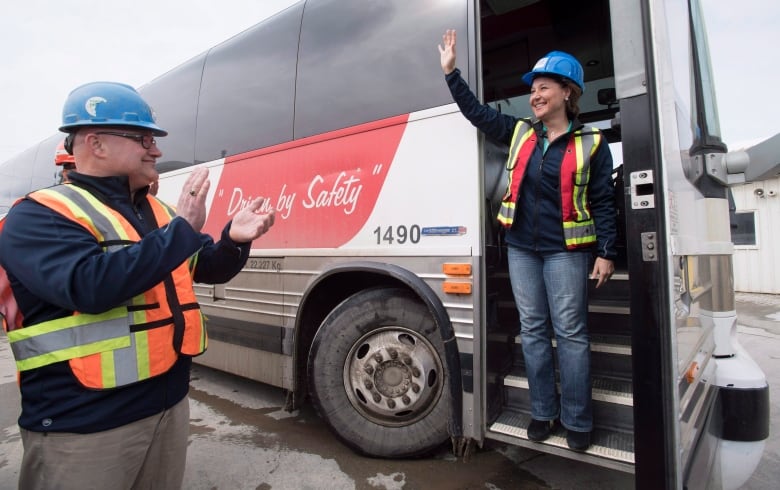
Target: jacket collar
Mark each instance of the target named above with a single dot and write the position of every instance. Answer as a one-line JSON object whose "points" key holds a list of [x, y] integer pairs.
{"points": [[116, 188], [538, 126]]}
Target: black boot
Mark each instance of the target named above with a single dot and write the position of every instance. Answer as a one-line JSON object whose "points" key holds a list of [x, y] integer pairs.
{"points": [[579, 441], [539, 430]]}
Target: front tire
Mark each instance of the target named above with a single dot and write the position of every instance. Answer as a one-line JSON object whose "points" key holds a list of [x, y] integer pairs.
{"points": [[378, 376]]}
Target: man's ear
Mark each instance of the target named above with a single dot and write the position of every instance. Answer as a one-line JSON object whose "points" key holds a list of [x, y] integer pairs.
{"points": [[93, 143]]}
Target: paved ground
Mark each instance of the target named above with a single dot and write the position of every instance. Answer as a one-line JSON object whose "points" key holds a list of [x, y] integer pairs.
{"points": [[241, 439], [759, 333]]}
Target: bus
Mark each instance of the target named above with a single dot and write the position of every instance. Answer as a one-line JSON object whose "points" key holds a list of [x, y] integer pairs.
{"points": [[381, 295]]}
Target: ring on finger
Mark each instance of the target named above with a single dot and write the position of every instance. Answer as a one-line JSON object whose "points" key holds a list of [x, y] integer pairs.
{"points": [[192, 192]]}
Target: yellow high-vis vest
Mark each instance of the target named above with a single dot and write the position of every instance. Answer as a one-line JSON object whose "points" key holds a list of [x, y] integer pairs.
{"points": [[579, 229]]}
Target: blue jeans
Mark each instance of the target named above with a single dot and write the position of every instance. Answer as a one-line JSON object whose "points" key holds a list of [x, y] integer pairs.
{"points": [[553, 289]]}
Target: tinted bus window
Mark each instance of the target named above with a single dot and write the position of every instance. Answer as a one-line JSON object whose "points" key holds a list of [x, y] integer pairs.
{"points": [[342, 80], [32, 169], [44, 171], [174, 99], [248, 88], [16, 174]]}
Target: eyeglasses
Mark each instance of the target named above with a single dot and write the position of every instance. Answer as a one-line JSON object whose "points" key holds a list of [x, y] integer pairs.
{"points": [[146, 140]]}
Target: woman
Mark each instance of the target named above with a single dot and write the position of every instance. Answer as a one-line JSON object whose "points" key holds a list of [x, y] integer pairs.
{"points": [[559, 208]]}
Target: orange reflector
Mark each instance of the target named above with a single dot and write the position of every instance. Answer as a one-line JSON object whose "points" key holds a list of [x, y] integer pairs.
{"points": [[456, 269], [690, 375], [456, 287]]}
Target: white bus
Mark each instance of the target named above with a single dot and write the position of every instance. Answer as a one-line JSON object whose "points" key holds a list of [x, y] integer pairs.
{"points": [[382, 296]]}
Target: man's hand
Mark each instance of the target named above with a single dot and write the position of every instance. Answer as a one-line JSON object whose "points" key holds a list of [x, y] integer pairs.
{"points": [[448, 51], [251, 223], [192, 201]]}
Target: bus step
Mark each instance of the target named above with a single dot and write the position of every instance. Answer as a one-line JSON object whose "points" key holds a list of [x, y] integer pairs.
{"points": [[616, 289], [609, 448], [610, 354], [600, 343], [613, 400]]}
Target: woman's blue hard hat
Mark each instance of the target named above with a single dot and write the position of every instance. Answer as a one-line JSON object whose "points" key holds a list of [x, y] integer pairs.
{"points": [[559, 64]]}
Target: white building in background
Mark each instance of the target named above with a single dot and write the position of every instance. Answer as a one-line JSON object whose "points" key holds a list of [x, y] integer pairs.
{"points": [[756, 237]]}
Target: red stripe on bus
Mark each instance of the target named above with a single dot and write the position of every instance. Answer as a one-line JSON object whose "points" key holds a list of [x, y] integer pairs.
{"points": [[323, 187]]}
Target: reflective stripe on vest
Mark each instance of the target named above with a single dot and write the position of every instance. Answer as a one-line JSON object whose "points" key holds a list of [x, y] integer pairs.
{"points": [[69, 337], [523, 143], [578, 227], [112, 348]]}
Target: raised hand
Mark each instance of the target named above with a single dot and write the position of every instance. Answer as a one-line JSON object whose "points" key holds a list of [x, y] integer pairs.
{"points": [[192, 201], [447, 52]]}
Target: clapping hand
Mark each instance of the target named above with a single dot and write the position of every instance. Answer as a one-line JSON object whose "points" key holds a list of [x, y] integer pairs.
{"points": [[251, 222]]}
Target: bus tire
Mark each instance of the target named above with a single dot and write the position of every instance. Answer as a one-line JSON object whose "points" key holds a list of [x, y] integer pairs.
{"points": [[378, 377]]}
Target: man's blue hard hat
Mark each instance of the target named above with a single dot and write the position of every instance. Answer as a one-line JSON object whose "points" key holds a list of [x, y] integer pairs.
{"points": [[560, 64], [107, 104]]}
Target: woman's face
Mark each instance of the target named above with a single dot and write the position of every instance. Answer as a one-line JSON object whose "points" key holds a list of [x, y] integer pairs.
{"points": [[548, 98]]}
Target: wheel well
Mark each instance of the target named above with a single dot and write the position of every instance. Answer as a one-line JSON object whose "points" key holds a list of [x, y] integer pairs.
{"points": [[320, 301]]}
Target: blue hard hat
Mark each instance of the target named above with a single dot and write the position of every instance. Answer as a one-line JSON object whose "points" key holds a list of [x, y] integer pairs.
{"points": [[560, 64], [107, 104]]}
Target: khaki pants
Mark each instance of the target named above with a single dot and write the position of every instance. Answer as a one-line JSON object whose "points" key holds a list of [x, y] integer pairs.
{"points": [[147, 454]]}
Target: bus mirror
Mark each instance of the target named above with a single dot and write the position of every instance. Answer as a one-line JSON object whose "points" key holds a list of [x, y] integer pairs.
{"points": [[758, 162], [764, 160]]}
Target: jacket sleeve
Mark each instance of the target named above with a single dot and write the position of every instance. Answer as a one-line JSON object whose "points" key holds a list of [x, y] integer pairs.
{"points": [[601, 193], [497, 126], [219, 262], [61, 263]]}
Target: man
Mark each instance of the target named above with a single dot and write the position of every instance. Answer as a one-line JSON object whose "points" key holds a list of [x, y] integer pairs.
{"points": [[102, 273], [65, 160]]}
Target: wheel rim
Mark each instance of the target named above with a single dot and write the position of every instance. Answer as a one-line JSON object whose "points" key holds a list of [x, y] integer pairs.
{"points": [[393, 376]]}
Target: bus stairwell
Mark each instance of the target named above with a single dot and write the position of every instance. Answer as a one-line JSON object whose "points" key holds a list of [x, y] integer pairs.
{"points": [[609, 326], [609, 320]]}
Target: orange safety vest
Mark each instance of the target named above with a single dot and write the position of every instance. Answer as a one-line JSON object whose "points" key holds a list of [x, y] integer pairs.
{"points": [[132, 342], [579, 230]]}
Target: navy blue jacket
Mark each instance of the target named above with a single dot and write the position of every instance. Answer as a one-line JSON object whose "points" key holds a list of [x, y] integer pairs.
{"points": [[56, 267], [537, 225]]}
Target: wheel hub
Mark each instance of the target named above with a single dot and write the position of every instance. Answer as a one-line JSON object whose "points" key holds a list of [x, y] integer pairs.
{"points": [[393, 376]]}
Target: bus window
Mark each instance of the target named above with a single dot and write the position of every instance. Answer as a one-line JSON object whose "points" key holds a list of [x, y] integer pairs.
{"points": [[174, 98], [15, 174], [708, 109], [248, 87], [342, 80], [44, 173]]}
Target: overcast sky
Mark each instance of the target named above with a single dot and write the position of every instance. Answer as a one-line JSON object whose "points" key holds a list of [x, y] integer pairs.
{"points": [[48, 48]]}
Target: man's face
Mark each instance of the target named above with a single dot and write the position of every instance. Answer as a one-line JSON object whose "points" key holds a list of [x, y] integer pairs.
{"points": [[130, 152]]}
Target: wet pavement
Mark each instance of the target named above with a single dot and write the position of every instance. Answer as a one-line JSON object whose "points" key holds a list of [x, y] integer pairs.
{"points": [[242, 439]]}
